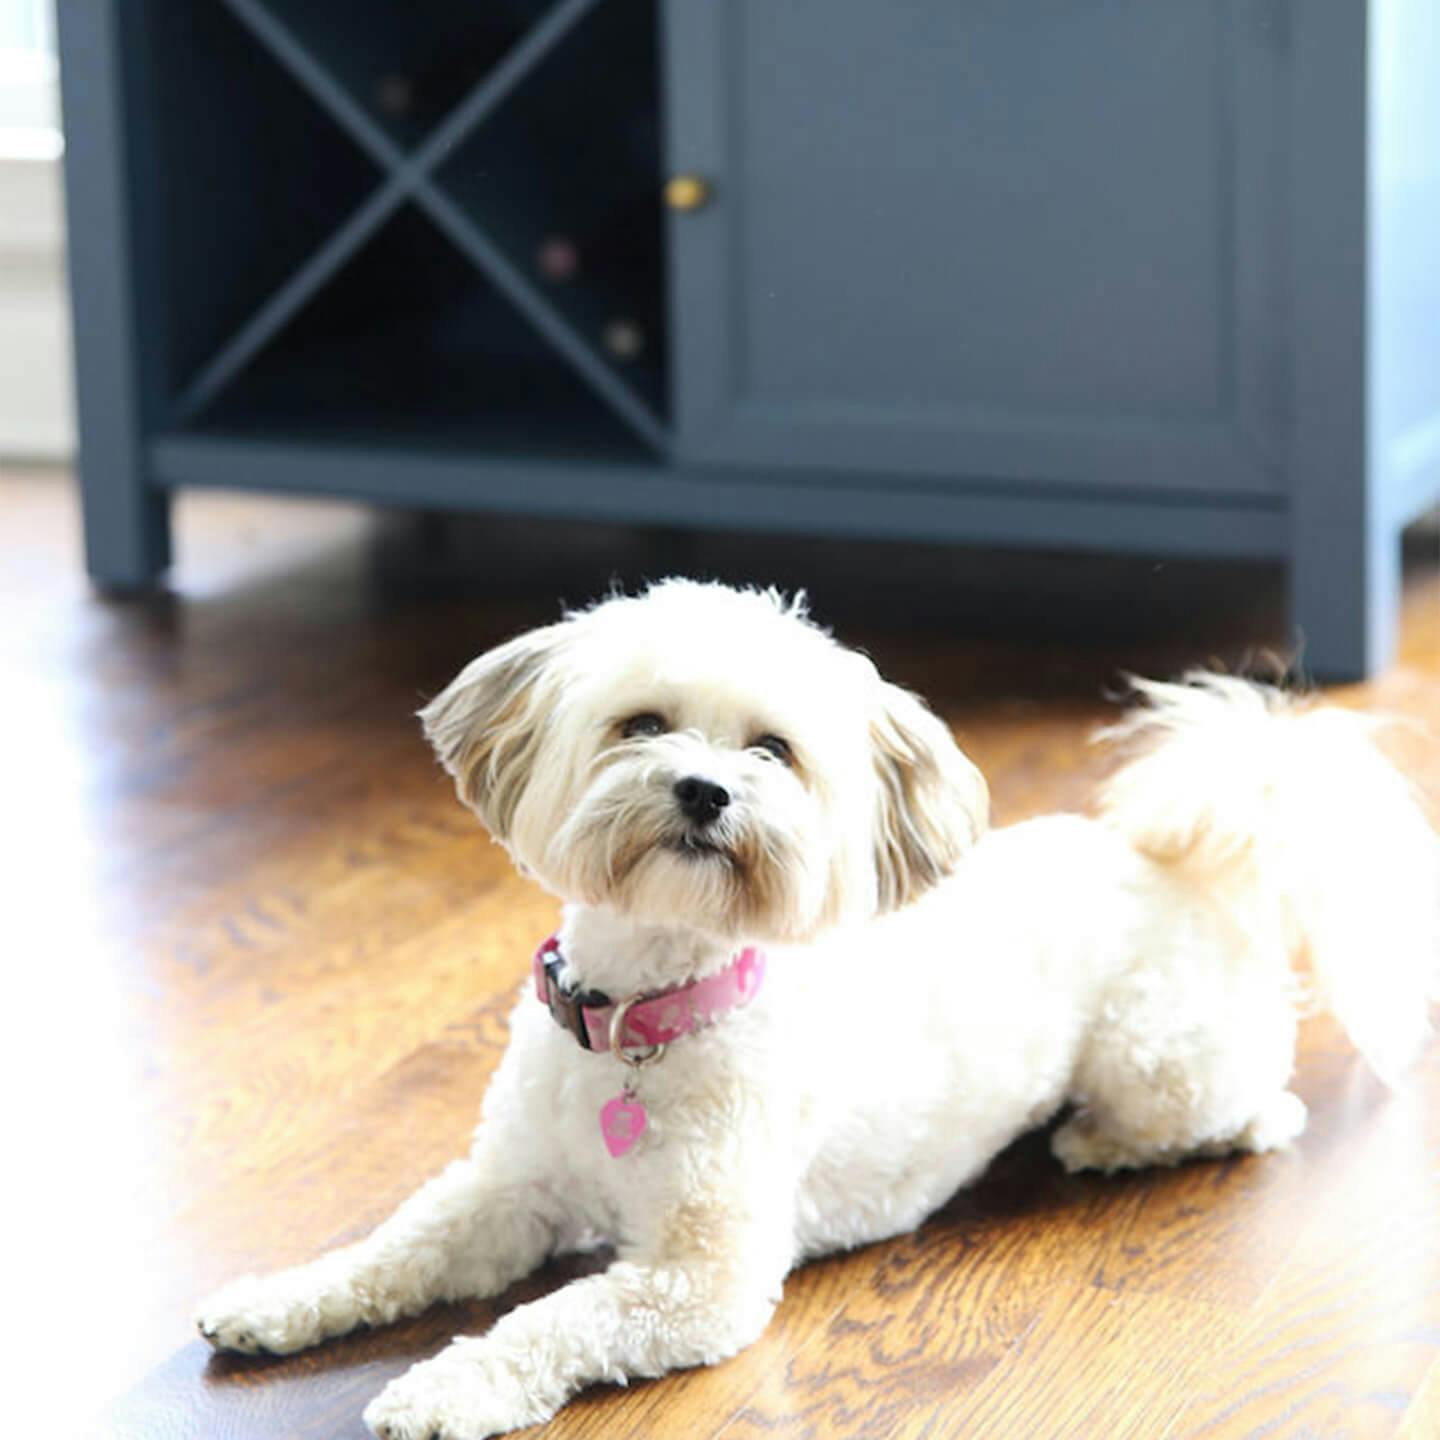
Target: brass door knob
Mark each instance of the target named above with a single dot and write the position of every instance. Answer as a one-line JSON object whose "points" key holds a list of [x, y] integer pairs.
{"points": [[687, 192]]}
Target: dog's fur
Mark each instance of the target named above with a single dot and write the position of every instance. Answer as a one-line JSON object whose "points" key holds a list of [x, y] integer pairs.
{"points": [[933, 989]]}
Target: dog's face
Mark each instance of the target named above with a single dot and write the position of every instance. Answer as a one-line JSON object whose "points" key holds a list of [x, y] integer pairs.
{"points": [[707, 757]]}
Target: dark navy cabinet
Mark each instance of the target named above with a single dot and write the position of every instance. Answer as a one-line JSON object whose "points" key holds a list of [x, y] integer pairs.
{"points": [[1156, 275]]}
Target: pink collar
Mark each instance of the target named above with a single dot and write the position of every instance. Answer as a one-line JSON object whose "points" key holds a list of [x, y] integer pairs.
{"points": [[649, 1019]]}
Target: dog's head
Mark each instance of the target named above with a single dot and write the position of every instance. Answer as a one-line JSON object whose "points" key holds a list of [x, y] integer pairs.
{"points": [[707, 757]]}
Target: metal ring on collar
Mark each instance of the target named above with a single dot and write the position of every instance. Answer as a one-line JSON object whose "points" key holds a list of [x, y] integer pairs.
{"points": [[617, 1030]]}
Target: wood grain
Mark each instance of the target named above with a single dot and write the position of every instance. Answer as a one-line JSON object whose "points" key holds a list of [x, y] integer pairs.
{"points": [[260, 967]]}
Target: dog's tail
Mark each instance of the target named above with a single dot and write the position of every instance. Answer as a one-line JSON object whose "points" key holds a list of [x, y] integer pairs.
{"points": [[1289, 815]]}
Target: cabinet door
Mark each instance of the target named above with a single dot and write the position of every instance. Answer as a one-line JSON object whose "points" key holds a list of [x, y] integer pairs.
{"points": [[981, 239]]}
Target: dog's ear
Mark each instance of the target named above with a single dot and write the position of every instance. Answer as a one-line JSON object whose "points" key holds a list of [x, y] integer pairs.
{"points": [[933, 804], [487, 725]]}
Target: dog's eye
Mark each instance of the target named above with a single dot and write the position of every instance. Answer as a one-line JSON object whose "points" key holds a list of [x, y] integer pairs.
{"points": [[639, 727], [775, 747]]}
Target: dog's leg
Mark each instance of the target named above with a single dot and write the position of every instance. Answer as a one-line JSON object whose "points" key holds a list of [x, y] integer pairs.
{"points": [[644, 1316], [1085, 1142], [464, 1234], [1190, 1057], [1212, 1094]]}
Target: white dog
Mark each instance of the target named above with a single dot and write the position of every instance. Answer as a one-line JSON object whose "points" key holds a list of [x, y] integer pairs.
{"points": [[837, 996]]}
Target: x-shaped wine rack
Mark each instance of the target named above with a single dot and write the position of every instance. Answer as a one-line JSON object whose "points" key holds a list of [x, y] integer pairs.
{"points": [[409, 176]]}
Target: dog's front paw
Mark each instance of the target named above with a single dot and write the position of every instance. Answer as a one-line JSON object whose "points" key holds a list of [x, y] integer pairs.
{"points": [[274, 1314], [459, 1395]]}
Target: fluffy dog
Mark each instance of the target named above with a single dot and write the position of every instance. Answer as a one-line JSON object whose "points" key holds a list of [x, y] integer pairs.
{"points": [[868, 994]]}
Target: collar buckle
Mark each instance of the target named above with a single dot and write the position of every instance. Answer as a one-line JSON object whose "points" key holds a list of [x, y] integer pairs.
{"points": [[567, 1007]]}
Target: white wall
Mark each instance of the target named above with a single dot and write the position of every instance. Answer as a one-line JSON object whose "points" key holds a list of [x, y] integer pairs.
{"points": [[36, 409], [36, 418]]}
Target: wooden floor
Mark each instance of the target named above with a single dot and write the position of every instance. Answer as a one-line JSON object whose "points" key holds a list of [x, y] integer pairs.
{"points": [[258, 962]]}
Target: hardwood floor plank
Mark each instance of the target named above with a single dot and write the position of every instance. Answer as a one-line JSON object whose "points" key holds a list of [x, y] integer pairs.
{"points": [[1343, 1337], [1096, 1362], [1422, 1419]]}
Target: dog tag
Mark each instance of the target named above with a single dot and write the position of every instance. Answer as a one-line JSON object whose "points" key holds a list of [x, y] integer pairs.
{"points": [[622, 1123]]}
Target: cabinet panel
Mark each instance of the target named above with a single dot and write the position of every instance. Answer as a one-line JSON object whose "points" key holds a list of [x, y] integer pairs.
{"points": [[981, 239]]}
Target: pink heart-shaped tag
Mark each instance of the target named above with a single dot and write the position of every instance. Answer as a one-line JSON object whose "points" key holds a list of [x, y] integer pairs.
{"points": [[622, 1123]]}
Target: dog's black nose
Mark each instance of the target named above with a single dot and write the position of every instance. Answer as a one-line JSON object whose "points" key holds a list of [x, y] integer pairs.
{"points": [[701, 800]]}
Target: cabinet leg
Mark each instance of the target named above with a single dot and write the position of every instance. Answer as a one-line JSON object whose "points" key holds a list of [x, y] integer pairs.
{"points": [[109, 200], [127, 532], [1345, 602]]}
